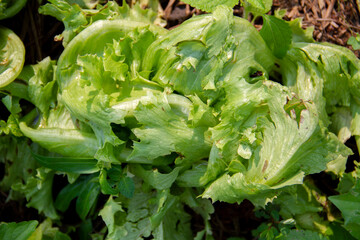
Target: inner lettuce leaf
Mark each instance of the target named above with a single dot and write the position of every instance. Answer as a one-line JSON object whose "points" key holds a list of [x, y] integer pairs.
{"points": [[267, 139], [100, 79], [105, 85], [166, 130]]}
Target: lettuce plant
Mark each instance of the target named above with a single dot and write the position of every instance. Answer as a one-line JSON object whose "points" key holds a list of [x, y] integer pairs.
{"points": [[162, 119]]}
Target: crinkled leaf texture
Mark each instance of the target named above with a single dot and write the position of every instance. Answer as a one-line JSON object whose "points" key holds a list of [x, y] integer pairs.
{"points": [[19, 164], [160, 214], [76, 19], [37, 191], [197, 56], [166, 130], [267, 139], [329, 76], [100, 80]]}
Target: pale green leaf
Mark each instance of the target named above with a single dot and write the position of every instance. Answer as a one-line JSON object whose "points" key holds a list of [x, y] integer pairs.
{"points": [[12, 55], [354, 42]]}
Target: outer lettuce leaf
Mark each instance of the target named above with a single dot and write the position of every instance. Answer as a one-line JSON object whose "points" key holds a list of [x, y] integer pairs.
{"points": [[301, 235], [10, 127], [298, 33], [348, 201], [19, 164], [20, 231], [308, 206], [145, 214], [327, 75], [37, 190], [159, 181], [12, 56], [268, 139], [277, 35], [61, 133], [77, 19], [46, 231], [192, 58], [9, 8], [336, 66]]}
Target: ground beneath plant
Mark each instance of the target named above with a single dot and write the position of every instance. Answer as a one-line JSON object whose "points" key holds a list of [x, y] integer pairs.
{"points": [[333, 21]]}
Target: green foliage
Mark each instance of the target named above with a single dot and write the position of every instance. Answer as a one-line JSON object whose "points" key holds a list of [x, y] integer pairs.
{"points": [[210, 6], [9, 8], [256, 7], [21, 231], [348, 202], [354, 42], [277, 34], [160, 121]]}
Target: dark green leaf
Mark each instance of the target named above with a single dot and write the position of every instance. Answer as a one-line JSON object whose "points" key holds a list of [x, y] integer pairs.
{"points": [[106, 188], [68, 164], [126, 187], [70, 192], [87, 199], [277, 35]]}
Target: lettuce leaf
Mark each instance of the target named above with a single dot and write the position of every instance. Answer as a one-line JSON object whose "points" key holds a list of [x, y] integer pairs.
{"points": [[12, 56], [76, 18], [103, 85], [9, 8], [21, 230], [267, 140], [192, 58], [327, 75]]}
